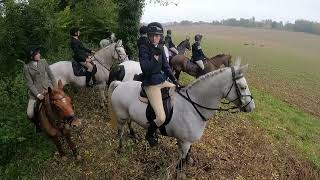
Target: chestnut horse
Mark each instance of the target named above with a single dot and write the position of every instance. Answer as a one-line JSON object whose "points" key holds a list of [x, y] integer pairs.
{"points": [[56, 117], [182, 63]]}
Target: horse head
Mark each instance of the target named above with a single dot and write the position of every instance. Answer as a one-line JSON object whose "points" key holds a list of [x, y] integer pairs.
{"points": [[62, 105], [119, 52], [239, 92]]}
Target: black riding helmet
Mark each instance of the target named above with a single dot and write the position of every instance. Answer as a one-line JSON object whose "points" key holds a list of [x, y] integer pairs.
{"points": [[155, 28], [198, 37], [31, 52], [74, 30], [169, 31], [143, 29]]}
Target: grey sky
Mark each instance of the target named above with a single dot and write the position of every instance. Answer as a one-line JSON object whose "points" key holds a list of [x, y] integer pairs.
{"points": [[208, 10]]}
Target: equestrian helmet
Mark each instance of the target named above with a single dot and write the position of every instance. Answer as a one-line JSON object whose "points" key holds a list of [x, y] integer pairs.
{"points": [[198, 37], [74, 30], [31, 52], [155, 28], [143, 29]]}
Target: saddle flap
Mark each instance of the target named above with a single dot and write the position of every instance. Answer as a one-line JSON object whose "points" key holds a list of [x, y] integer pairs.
{"points": [[167, 106], [78, 69]]}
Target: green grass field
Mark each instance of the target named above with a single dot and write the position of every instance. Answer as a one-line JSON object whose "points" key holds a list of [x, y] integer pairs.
{"points": [[284, 75], [279, 140]]}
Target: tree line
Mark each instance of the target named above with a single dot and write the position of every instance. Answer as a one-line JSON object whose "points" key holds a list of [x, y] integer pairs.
{"points": [[298, 26]]}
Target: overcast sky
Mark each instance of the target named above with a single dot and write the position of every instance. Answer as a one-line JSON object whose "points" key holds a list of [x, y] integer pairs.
{"points": [[208, 10]]}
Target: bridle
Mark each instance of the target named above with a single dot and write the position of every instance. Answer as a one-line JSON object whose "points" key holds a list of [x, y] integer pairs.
{"points": [[66, 119], [119, 59], [239, 96]]}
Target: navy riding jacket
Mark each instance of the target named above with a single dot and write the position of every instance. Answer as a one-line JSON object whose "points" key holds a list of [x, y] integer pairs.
{"points": [[197, 53], [80, 52], [142, 40], [154, 71]]}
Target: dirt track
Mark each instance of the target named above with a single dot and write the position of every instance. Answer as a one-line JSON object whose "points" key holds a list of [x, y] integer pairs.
{"points": [[232, 148]]}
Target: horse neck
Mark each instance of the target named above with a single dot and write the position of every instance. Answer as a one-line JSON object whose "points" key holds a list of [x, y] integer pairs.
{"points": [[214, 87], [105, 55], [47, 110]]}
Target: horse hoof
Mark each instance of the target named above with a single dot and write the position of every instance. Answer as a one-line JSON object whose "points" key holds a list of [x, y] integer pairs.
{"points": [[181, 175], [76, 123], [190, 161], [78, 158], [64, 158], [120, 150]]}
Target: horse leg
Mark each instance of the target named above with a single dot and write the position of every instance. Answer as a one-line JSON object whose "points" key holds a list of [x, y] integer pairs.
{"points": [[121, 126], [53, 133], [177, 74], [184, 149], [72, 146], [132, 132], [189, 159], [103, 97]]}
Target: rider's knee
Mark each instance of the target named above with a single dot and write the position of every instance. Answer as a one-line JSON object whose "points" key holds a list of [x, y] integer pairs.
{"points": [[161, 118]]}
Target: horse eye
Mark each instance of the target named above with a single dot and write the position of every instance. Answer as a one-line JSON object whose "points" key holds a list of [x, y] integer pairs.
{"points": [[244, 87]]}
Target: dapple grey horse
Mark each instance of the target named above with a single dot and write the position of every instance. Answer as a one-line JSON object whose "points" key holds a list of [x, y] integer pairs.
{"points": [[103, 59], [193, 105]]}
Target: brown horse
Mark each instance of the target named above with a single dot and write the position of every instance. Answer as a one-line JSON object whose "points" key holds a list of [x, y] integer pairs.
{"points": [[56, 117], [182, 63]]}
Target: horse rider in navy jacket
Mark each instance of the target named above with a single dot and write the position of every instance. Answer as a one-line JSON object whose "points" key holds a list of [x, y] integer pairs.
{"points": [[156, 70], [81, 55], [197, 53], [143, 39]]}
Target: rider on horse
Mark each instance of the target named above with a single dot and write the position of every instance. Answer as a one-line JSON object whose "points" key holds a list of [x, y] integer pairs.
{"points": [[81, 55], [155, 70], [197, 53], [169, 43], [39, 77], [143, 39]]}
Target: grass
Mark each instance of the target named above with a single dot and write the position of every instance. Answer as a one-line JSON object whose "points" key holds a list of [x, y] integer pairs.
{"points": [[288, 125]]}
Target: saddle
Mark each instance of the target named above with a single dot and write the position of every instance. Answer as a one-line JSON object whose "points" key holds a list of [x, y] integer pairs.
{"points": [[191, 66], [80, 70], [167, 106]]}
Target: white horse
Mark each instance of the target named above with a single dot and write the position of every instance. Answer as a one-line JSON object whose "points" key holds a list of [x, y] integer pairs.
{"points": [[103, 59], [193, 105], [106, 42]]}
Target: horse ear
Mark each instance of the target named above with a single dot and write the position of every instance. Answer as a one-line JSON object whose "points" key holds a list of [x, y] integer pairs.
{"points": [[243, 69], [60, 85], [119, 42], [238, 62]]}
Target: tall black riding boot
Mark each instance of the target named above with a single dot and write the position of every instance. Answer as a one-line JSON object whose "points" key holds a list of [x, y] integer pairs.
{"points": [[88, 79], [36, 123], [94, 81], [151, 134]]}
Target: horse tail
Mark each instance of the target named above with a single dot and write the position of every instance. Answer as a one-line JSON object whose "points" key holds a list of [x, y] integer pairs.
{"points": [[113, 116]]}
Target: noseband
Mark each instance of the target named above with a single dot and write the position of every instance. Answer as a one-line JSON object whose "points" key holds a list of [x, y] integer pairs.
{"points": [[119, 56], [239, 96]]}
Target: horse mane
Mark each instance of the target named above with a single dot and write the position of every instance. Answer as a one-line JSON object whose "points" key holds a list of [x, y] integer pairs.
{"points": [[206, 76], [218, 56]]}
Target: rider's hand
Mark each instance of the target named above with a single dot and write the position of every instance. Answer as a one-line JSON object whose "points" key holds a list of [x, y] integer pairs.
{"points": [[40, 97], [178, 85]]}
